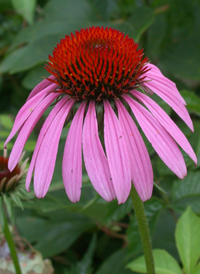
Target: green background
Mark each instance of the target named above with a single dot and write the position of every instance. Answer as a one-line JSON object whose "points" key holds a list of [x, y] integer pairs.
{"points": [[94, 236]]}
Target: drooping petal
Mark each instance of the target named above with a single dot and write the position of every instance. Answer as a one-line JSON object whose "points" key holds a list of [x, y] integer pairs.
{"points": [[27, 128], [171, 100], [26, 111], [167, 123], [154, 70], [45, 83], [45, 162], [72, 158], [94, 157], [155, 74], [117, 154], [141, 168], [160, 139], [170, 87], [43, 131]]}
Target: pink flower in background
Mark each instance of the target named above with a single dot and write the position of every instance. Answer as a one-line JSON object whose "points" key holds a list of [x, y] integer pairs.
{"points": [[99, 73]]}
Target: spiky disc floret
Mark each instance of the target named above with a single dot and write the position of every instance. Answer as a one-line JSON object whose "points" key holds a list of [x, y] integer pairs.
{"points": [[97, 63], [6, 176], [9, 180]]}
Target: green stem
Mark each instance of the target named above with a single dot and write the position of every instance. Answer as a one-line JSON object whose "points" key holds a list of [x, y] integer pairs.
{"points": [[144, 230], [11, 245]]}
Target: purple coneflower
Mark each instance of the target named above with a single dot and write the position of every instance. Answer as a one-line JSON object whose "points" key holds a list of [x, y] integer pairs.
{"points": [[102, 75]]}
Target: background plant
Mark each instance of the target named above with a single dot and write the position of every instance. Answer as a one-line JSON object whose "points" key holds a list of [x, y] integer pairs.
{"points": [[94, 236], [187, 238]]}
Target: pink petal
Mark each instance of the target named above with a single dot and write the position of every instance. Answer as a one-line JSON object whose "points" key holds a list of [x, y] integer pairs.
{"points": [[27, 128], [46, 158], [155, 74], [94, 157], [117, 154], [167, 123], [42, 134], [26, 111], [141, 168], [72, 158], [160, 139], [172, 101], [45, 83]]}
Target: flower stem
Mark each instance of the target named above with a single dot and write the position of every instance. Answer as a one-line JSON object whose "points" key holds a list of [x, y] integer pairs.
{"points": [[144, 230], [11, 245]]}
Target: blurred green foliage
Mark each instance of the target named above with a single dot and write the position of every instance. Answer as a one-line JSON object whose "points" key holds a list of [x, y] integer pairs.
{"points": [[94, 236], [187, 238]]}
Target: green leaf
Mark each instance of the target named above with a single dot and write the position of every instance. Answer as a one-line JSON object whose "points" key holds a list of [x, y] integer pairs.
{"points": [[156, 34], [188, 239], [55, 233], [164, 263], [177, 59], [84, 266], [192, 100], [106, 213], [35, 53], [187, 192], [100, 8], [163, 237], [193, 138], [12, 58], [60, 17], [197, 269], [25, 8], [34, 77], [159, 188], [45, 28], [62, 9], [140, 20], [115, 264], [103, 10], [56, 199], [15, 197], [189, 186]]}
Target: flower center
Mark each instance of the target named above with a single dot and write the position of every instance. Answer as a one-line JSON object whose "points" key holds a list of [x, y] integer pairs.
{"points": [[5, 172], [97, 63]]}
